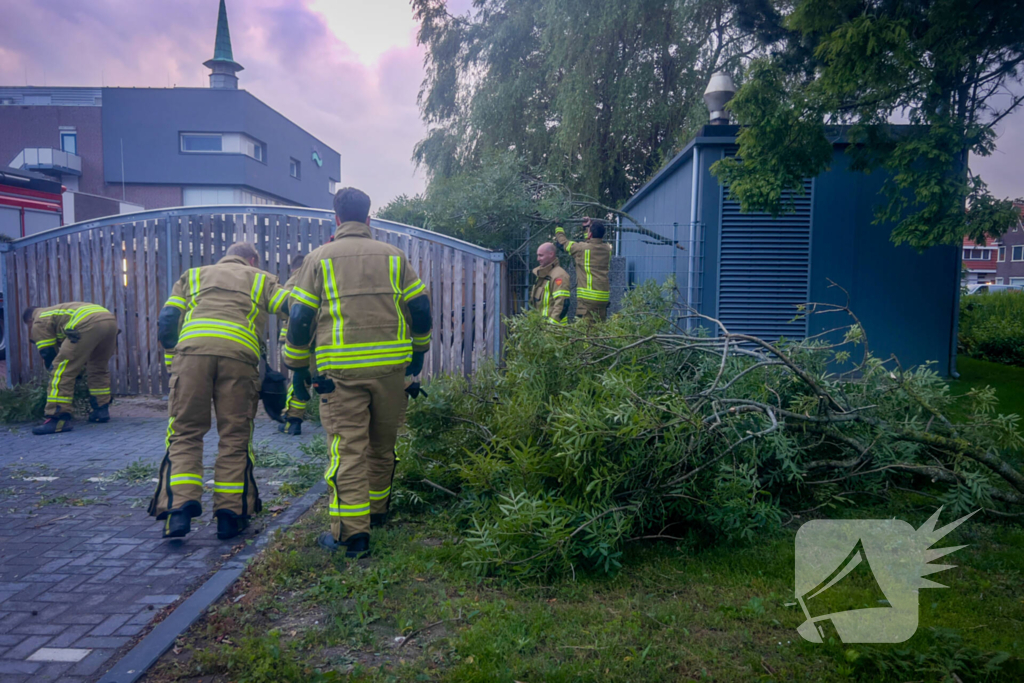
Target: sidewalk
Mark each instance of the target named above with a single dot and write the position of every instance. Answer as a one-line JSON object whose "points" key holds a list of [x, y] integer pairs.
{"points": [[83, 569]]}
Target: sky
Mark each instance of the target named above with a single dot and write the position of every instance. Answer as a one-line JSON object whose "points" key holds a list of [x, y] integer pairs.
{"points": [[348, 71]]}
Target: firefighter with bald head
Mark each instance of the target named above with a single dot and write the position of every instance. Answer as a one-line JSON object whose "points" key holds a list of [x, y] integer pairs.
{"points": [[550, 292], [593, 260], [215, 322], [372, 326]]}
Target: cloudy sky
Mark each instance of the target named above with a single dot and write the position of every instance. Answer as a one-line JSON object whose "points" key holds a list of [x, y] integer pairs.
{"points": [[346, 70]]}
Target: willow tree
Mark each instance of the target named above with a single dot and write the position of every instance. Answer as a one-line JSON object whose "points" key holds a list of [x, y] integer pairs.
{"points": [[596, 93], [951, 69]]}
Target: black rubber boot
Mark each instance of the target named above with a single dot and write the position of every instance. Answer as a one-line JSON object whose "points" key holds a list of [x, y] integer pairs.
{"points": [[293, 427], [177, 524], [100, 413], [357, 546], [229, 524], [378, 520], [55, 424]]}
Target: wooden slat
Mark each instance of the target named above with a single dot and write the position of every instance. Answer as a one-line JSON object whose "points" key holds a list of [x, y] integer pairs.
{"points": [[467, 326], [85, 254], [208, 257], [117, 283], [491, 285], [273, 249], [435, 304], [131, 330], [446, 309], [53, 270], [478, 313], [142, 248], [21, 373], [74, 265], [458, 294], [195, 237], [156, 259], [219, 247]]}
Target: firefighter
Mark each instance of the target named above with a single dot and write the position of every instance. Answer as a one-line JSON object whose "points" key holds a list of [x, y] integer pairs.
{"points": [[593, 259], [215, 320], [298, 389], [372, 316], [73, 337], [550, 293]]}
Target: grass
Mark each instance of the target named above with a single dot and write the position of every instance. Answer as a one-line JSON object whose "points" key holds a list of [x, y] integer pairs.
{"points": [[675, 612], [1007, 380], [137, 472]]}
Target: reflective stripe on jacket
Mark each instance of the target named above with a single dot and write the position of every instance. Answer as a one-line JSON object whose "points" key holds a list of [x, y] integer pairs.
{"points": [[550, 293], [593, 260], [51, 324]]}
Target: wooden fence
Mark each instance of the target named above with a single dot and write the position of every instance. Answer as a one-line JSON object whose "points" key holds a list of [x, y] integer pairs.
{"points": [[128, 264]]}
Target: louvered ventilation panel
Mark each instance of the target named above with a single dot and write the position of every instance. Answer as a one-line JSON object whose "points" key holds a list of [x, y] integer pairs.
{"points": [[765, 269]]}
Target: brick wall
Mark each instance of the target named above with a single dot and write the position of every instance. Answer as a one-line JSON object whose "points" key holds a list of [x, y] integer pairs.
{"points": [[39, 126]]}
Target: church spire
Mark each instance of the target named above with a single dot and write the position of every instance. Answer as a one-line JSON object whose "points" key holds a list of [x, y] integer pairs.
{"points": [[223, 66]]}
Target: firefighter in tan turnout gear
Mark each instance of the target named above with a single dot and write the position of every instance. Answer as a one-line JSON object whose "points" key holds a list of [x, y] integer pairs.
{"points": [[298, 395], [593, 260], [550, 293], [372, 316], [215, 320], [72, 337]]}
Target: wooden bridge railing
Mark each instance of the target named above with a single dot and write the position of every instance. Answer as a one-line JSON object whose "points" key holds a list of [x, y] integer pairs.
{"points": [[128, 263]]}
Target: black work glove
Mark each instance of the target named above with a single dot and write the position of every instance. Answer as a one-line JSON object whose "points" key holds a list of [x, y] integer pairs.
{"points": [[301, 380], [416, 366], [323, 384], [414, 390], [48, 354], [74, 336]]}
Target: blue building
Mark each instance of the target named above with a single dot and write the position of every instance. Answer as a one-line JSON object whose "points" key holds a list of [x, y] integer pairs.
{"points": [[125, 149], [751, 271]]}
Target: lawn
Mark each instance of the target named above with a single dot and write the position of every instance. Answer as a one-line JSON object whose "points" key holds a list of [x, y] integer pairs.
{"points": [[1007, 380], [675, 612]]}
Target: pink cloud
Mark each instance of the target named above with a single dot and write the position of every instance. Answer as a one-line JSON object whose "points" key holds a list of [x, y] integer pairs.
{"points": [[293, 62]]}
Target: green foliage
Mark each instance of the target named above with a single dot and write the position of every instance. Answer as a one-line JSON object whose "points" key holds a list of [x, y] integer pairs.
{"points": [[942, 657], [992, 327], [26, 402], [260, 659], [596, 93], [594, 436], [138, 472], [942, 66]]}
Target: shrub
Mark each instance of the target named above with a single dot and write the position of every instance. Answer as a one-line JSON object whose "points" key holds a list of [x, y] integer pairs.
{"points": [[26, 402], [594, 436], [992, 327]]}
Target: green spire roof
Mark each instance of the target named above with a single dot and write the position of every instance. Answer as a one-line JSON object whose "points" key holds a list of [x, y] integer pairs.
{"points": [[222, 48]]}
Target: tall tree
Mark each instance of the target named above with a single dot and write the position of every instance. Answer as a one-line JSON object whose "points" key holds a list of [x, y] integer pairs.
{"points": [[951, 69], [597, 93]]}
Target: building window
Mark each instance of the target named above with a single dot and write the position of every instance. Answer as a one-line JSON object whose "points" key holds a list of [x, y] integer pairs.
{"points": [[294, 168], [999, 280], [1002, 254], [223, 143], [201, 142], [1018, 252], [977, 254], [1017, 281], [332, 186], [69, 142]]}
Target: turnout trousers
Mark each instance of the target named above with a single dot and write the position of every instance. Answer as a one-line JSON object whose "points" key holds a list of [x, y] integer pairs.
{"points": [[96, 344], [233, 388], [592, 310], [361, 417]]}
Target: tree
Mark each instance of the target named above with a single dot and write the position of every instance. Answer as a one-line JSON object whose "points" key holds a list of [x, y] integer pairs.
{"points": [[597, 93], [952, 69]]}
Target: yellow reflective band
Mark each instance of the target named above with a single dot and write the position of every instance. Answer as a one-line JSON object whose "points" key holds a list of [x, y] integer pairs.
{"points": [[304, 297], [568, 245], [560, 292], [186, 480], [224, 324], [83, 313], [544, 300], [331, 287], [332, 468], [256, 295], [559, 229], [59, 399], [294, 353], [55, 384], [59, 311], [557, 322], [380, 495], [298, 405], [395, 273], [586, 268], [170, 432], [323, 365], [193, 286], [421, 339], [278, 300], [177, 302], [99, 392], [413, 290], [168, 358], [593, 295], [44, 343], [229, 487], [214, 333], [349, 510]]}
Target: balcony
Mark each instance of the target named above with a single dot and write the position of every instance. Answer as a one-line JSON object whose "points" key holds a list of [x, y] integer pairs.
{"points": [[48, 160]]}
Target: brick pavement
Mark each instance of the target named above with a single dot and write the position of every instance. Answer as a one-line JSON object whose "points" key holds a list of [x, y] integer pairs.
{"points": [[82, 567]]}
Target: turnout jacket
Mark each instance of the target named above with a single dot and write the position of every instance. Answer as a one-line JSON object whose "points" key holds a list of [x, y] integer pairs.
{"points": [[370, 311], [221, 310], [593, 259], [550, 293], [53, 324]]}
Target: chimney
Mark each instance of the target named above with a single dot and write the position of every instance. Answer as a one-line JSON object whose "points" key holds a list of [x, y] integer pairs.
{"points": [[719, 91], [223, 66]]}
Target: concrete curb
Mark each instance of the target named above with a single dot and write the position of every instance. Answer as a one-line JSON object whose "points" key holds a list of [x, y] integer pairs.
{"points": [[133, 665]]}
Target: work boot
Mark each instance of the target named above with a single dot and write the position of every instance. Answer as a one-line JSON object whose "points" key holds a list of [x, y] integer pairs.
{"points": [[293, 427], [177, 524], [229, 524], [100, 413], [357, 546], [378, 520], [54, 424]]}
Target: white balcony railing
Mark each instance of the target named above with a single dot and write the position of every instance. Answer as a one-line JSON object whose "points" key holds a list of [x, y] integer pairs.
{"points": [[48, 159]]}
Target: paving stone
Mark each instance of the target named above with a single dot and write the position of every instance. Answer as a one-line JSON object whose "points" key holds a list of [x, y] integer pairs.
{"points": [[59, 654], [27, 647]]}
